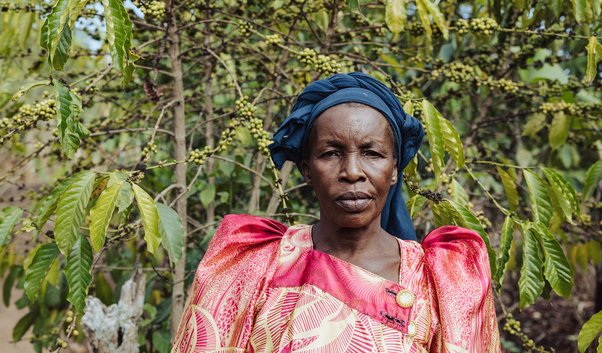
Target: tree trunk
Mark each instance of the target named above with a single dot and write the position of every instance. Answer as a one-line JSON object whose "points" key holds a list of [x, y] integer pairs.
{"points": [[180, 155], [114, 329]]}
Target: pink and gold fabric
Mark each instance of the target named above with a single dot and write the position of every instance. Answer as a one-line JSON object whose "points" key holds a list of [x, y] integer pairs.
{"points": [[263, 288]]}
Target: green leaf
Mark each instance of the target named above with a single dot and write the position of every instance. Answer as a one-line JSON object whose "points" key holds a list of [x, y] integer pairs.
{"points": [[126, 195], [41, 262], [458, 194], [509, 188], [74, 9], [452, 141], [592, 59], [9, 217], [24, 324], [534, 124], [150, 218], [559, 130], [438, 17], [592, 178], [71, 210], [69, 106], [590, 330], [9, 281], [26, 87], [530, 283], [538, 196], [423, 14], [446, 214], [395, 15], [55, 34], [77, 271], [505, 245], [119, 36], [207, 195], [580, 10], [565, 195], [415, 204], [353, 5], [557, 270], [435, 136], [470, 221], [172, 232], [48, 205], [101, 213]]}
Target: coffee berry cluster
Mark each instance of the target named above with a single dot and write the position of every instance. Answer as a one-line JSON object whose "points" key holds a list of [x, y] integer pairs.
{"points": [[28, 115], [245, 28], [512, 326], [456, 72], [149, 149], [153, 9], [504, 85], [273, 39], [325, 64], [484, 25]]}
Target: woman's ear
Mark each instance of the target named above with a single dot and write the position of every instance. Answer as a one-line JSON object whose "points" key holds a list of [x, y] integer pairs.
{"points": [[305, 172], [394, 176]]}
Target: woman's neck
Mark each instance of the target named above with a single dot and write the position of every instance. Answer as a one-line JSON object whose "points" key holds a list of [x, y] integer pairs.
{"points": [[332, 239]]}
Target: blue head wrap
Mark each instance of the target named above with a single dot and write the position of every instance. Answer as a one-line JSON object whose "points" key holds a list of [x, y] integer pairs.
{"points": [[355, 87]]}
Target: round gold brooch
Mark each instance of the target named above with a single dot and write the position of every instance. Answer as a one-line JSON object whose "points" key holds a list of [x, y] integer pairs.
{"points": [[405, 298]]}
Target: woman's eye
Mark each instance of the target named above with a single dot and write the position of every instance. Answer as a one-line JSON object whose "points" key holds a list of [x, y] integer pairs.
{"points": [[372, 153], [329, 154]]}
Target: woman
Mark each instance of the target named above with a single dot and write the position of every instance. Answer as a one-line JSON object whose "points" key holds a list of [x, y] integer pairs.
{"points": [[350, 283]]}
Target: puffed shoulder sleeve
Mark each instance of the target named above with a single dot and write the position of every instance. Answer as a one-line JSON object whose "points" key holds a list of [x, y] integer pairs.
{"points": [[458, 266], [219, 313]]}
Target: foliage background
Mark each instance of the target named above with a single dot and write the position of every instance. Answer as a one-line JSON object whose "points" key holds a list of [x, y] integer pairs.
{"points": [[129, 129]]}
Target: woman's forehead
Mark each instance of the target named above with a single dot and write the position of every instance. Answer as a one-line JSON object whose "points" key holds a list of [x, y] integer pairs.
{"points": [[343, 121]]}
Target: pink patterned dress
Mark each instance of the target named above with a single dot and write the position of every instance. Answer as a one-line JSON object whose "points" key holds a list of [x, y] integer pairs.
{"points": [[262, 287]]}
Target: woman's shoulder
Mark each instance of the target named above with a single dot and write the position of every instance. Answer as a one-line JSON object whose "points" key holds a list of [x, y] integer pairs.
{"points": [[243, 231]]}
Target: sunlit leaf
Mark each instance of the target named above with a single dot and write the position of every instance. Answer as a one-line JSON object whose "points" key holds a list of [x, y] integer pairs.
{"points": [[9, 217], [534, 124], [592, 179], [423, 14], [505, 245], [71, 210], [415, 204], [26, 87], [509, 188], [77, 271], [590, 330], [565, 195], [172, 232], [592, 59], [559, 130], [119, 36], [100, 215], [452, 141], [55, 34], [438, 17], [557, 270], [458, 194], [530, 282], [395, 15], [538, 196], [48, 205], [435, 136], [71, 131], [41, 262], [150, 218]]}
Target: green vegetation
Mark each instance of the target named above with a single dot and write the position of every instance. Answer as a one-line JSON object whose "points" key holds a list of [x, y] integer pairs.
{"points": [[127, 130]]}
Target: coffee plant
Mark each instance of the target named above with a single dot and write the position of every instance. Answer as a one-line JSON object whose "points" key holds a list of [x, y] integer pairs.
{"points": [[128, 129]]}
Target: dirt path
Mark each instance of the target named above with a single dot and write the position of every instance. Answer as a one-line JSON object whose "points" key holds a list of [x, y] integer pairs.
{"points": [[8, 318]]}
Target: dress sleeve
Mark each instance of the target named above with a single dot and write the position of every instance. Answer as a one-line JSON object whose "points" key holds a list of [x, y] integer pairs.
{"points": [[219, 313], [458, 266]]}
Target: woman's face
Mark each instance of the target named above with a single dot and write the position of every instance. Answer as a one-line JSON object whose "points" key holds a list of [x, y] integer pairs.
{"points": [[351, 164]]}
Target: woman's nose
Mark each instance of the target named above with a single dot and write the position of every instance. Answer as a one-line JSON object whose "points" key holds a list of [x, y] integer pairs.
{"points": [[351, 169]]}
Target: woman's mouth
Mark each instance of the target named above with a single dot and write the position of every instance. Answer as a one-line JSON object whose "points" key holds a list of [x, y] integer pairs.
{"points": [[354, 201]]}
